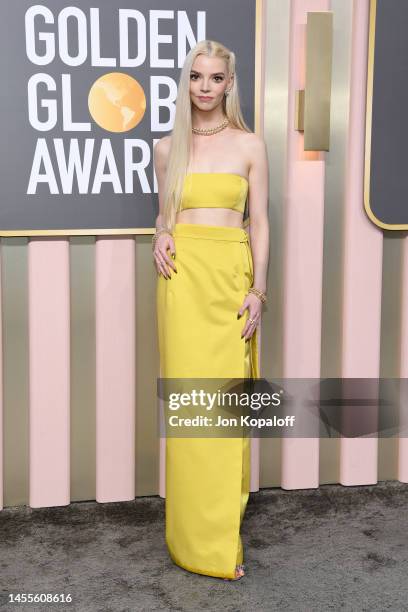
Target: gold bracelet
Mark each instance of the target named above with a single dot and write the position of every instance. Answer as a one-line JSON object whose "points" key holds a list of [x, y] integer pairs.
{"points": [[260, 294], [161, 230]]}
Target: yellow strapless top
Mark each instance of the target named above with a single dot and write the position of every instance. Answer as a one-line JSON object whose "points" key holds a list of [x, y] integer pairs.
{"points": [[214, 190]]}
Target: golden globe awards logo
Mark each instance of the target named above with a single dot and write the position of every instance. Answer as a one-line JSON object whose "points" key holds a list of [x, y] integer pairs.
{"points": [[89, 87], [116, 100]]}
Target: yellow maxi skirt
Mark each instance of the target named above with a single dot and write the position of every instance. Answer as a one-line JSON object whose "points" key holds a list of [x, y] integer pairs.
{"points": [[207, 479]]}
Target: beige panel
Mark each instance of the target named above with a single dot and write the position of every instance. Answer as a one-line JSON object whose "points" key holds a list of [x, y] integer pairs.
{"points": [[333, 220], [319, 43], [83, 426], [15, 371], [391, 302], [276, 58], [147, 371]]}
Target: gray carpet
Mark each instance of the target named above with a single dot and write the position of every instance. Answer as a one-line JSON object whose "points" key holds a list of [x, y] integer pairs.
{"points": [[334, 548]]}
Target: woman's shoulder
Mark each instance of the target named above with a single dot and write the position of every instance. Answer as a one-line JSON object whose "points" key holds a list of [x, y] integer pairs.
{"points": [[163, 144], [161, 150], [250, 138], [255, 146]]}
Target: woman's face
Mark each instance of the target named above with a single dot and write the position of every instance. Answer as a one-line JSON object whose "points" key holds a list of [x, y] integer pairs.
{"points": [[208, 81]]}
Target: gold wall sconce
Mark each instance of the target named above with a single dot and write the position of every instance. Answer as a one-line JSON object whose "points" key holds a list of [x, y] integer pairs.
{"points": [[312, 104]]}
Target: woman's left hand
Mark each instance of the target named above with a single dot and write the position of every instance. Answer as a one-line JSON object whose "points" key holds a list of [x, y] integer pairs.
{"points": [[254, 305]]}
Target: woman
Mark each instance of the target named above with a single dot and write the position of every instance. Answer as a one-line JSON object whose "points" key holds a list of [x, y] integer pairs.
{"points": [[209, 277]]}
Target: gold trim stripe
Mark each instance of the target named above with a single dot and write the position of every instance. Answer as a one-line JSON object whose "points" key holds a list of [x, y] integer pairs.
{"points": [[79, 232]]}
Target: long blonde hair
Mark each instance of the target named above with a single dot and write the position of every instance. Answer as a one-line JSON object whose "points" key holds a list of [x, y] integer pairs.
{"points": [[181, 135]]}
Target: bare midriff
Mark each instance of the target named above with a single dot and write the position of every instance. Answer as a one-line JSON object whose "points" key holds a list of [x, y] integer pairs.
{"points": [[211, 216]]}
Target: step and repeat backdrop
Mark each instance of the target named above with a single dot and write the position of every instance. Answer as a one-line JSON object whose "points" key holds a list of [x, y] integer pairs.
{"points": [[87, 90]]}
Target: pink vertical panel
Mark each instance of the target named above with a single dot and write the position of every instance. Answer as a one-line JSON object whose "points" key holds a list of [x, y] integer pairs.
{"points": [[115, 368], [403, 441], [49, 371], [362, 263], [1, 389], [302, 307], [303, 258]]}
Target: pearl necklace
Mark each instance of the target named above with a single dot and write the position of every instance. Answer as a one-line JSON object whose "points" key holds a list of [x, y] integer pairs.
{"points": [[209, 131]]}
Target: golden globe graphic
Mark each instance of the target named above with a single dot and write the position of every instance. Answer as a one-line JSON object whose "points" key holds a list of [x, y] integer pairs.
{"points": [[117, 102]]}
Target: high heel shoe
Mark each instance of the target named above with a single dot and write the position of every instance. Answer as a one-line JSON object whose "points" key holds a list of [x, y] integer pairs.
{"points": [[239, 573]]}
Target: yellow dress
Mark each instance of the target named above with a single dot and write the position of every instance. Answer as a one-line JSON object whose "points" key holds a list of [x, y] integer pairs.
{"points": [[207, 479]]}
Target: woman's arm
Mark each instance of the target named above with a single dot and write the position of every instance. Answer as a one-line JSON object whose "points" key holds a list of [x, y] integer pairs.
{"points": [[164, 240], [258, 209], [160, 155]]}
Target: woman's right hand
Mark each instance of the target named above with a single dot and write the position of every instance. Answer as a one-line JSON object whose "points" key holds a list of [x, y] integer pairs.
{"points": [[162, 260]]}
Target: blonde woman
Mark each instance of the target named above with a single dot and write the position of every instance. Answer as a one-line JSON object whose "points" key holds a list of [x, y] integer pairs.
{"points": [[211, 287]]}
